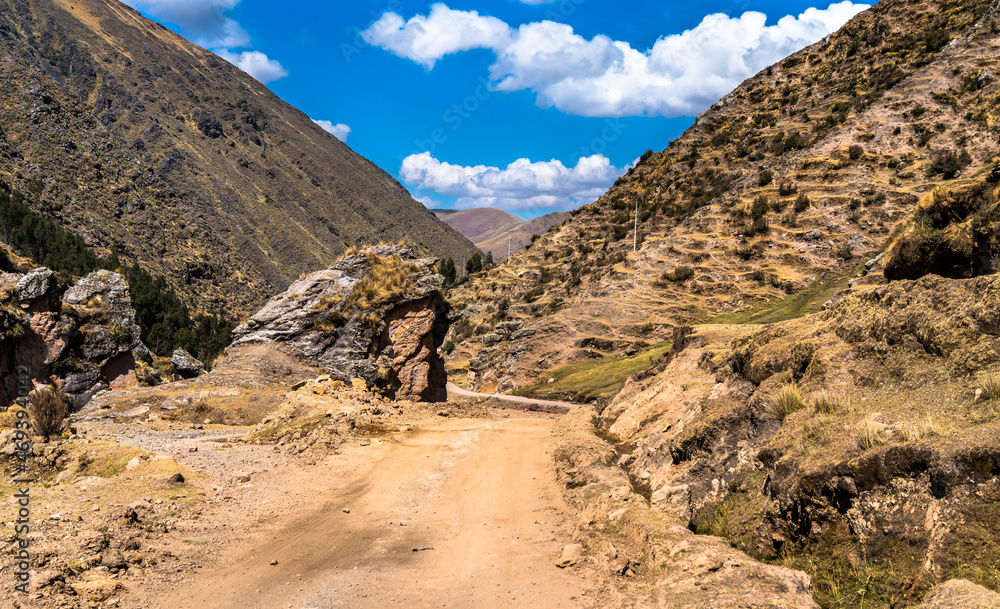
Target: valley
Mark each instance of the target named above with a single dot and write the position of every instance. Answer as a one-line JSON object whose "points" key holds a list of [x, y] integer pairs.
{"points": [[243, 366]]}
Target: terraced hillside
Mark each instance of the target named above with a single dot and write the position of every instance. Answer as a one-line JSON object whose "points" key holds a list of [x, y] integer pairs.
{"points": [[781, 194]]}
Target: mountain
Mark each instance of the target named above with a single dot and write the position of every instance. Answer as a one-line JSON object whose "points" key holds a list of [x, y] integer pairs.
{"points": [[496, 231], [774, 200], [137, 140], [802, 355], [479, 223]]}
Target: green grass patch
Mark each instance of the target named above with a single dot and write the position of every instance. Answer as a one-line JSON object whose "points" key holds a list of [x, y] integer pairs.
{"points": [[802, 303], [108, 461], [890, 576], [592, 379]]}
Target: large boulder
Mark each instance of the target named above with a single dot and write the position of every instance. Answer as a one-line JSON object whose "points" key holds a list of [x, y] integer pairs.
{"points": [[81, 337], [377, 315], [34, 284], [186, 364]]}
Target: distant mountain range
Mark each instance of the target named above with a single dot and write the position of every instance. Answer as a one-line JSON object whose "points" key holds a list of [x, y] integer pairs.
{"points": [[138, 140], [496, 231]]}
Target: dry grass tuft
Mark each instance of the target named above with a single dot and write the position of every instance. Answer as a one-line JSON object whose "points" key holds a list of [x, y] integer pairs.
{"points": [[925, 429], [868, 434], [387, 278], [49, 408], [785, 401], [825, 402], [991, 387]]}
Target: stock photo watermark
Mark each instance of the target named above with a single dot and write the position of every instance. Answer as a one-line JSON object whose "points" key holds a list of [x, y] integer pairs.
{"points": [[613, 129], [358, 43], [453, 118], [564, 10], [23, 446]]}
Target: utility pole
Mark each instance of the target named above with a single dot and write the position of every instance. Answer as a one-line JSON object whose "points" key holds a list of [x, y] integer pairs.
{"points": [[508, 246], [635, 230]]}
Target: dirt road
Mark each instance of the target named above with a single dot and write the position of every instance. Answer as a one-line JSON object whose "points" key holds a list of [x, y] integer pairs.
{"points": [[464, 514], [456, 390]]}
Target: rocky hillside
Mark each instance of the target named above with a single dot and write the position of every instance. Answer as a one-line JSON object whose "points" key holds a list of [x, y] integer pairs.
{"points": [[783, 192], [138, 140], [495, 231], [857, 444], [376, 316]]}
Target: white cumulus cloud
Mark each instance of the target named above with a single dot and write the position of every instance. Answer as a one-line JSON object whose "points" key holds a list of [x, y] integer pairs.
{"points": [[521, 185], [681, 75], [339, 131], [205, 22], [442, 32], [256, 64]]}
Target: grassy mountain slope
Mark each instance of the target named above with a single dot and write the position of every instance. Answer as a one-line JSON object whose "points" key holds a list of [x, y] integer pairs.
{"points": [[138, 140], [769, 204], [494, 230], [519, 237], [479, 223]]}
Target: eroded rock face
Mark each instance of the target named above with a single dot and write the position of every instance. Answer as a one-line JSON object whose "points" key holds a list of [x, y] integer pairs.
{"points": [[919, 491], [80, 337], [683, 569], [377, 315], [953, 234]]}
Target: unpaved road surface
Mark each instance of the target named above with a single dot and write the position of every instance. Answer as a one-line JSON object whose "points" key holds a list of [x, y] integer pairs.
{"points": [[453, 388], [461, 514]]}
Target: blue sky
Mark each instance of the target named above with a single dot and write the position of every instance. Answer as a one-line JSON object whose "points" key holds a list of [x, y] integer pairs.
{"points": [[528, 105]]}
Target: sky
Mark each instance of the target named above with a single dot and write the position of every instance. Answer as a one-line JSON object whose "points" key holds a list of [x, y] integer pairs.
{"points": [[530, 106]]}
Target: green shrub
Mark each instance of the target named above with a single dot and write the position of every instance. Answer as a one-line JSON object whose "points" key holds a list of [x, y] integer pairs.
{"points": [[948, 163], [760, 207], [678, 274]]}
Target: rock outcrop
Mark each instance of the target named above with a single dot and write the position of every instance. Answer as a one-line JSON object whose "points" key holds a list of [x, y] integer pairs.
{"points": [[376, 315], [186, 364], [81, 336], [961, 594], [883, 450], [953, 233]]}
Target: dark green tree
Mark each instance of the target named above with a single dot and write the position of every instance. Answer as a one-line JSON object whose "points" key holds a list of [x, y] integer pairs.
{"points": [[446, 268], [475, 264], [165, 321]]}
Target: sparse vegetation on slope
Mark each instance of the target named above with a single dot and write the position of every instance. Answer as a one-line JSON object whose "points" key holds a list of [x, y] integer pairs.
{"points": [[165, 321], [778, 195], [140, 142], [593, 380]]}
